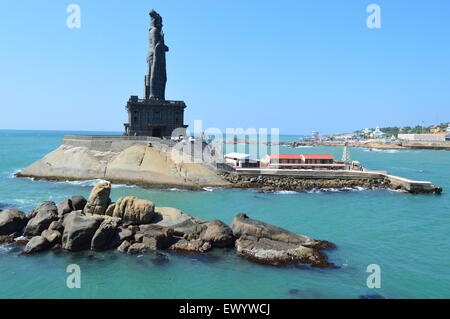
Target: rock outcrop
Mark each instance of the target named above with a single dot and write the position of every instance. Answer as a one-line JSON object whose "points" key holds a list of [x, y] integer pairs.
{"points": [[125, 162], [104, 235], [41, 217], [65, 207], [12, 221], [133, 210], [265, 243], [136, 226], [79, 230], [36, 244], [99, 199], [78, 202], [53, 236]]}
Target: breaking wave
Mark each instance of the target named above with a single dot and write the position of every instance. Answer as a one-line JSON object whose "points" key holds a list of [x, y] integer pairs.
{"points": [[92, 182], [211, 189], [381, 150]]}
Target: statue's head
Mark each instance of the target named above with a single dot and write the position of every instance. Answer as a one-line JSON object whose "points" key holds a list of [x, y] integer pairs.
{"points": [[156, 19]]}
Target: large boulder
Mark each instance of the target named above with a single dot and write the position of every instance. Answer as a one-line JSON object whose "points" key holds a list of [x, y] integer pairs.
{"points": [[53, 237], [133, 210], [218, 234], [36, 244], [65, 207], [122, 234], [192, 234], [266, 243], [105, 234], [79, 230], [170, 217], [78, 202], [156, 237], [41, 218], [12, 221], [99, 199], [57, 225]]}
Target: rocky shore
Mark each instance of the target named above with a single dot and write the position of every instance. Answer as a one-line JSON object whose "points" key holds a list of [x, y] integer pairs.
{"points": [[288, 183], [136, 226]]}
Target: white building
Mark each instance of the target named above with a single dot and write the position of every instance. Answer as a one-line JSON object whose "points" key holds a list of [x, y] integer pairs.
{"points": [[240, 160], [377, 134], [424, 137]]}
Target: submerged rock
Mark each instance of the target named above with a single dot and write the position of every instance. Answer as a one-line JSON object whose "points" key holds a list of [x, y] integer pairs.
{"points": [[138, 248], [5, 239], [41, 218], [12, 221], [265, 243], [123, 248], [99, 199]]}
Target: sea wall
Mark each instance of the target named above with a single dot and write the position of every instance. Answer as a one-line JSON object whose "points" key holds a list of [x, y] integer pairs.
{"points": [[301, 181], [296, 180]]}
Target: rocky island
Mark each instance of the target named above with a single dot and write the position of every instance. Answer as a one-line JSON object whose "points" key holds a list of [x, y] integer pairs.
{"points": [[156, 151], [136, 226]]}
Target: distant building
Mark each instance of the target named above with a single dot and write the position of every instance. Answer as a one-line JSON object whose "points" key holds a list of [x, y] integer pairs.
{"points": [[241, 160], [437, 137], [301, 161], [378, 133], [315, 135], [434, 129], [448, 129]]}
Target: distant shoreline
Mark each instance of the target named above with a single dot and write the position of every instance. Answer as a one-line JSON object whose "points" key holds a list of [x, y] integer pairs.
{"points": [[406, 145]]}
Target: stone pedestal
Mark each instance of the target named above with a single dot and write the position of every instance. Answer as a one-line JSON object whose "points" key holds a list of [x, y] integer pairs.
{"points": [[158, 118]]}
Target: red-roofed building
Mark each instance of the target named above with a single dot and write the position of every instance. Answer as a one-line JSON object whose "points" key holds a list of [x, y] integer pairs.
{"points": [[318, 159], [285, 156], [301, 161]]}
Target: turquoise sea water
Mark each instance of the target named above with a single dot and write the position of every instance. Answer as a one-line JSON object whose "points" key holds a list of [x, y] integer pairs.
{"points": [[407, 235]]}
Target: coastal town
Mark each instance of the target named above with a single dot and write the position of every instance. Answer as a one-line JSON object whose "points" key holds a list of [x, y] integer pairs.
{"points": [[433, 137]]}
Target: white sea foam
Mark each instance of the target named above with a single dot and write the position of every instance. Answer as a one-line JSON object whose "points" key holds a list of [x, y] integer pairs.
{"points": [[174, 189], [5, 248], [211, 189], [397, 190], [92, 182], [285, 192], [25, 202], [381, 150]]}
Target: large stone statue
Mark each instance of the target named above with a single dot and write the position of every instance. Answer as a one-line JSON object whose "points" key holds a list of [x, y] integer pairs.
{"points": [[154, 115], [155, 80]]}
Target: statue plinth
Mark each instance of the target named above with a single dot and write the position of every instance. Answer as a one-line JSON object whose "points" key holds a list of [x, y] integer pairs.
{"points": [[152, 117]]}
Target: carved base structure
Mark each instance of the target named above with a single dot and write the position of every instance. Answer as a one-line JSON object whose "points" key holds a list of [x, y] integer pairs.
{"points": [[158, 118]]}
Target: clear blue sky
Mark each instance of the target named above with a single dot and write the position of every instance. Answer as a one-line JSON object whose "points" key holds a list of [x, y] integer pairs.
{"points": [[293, 64]]}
